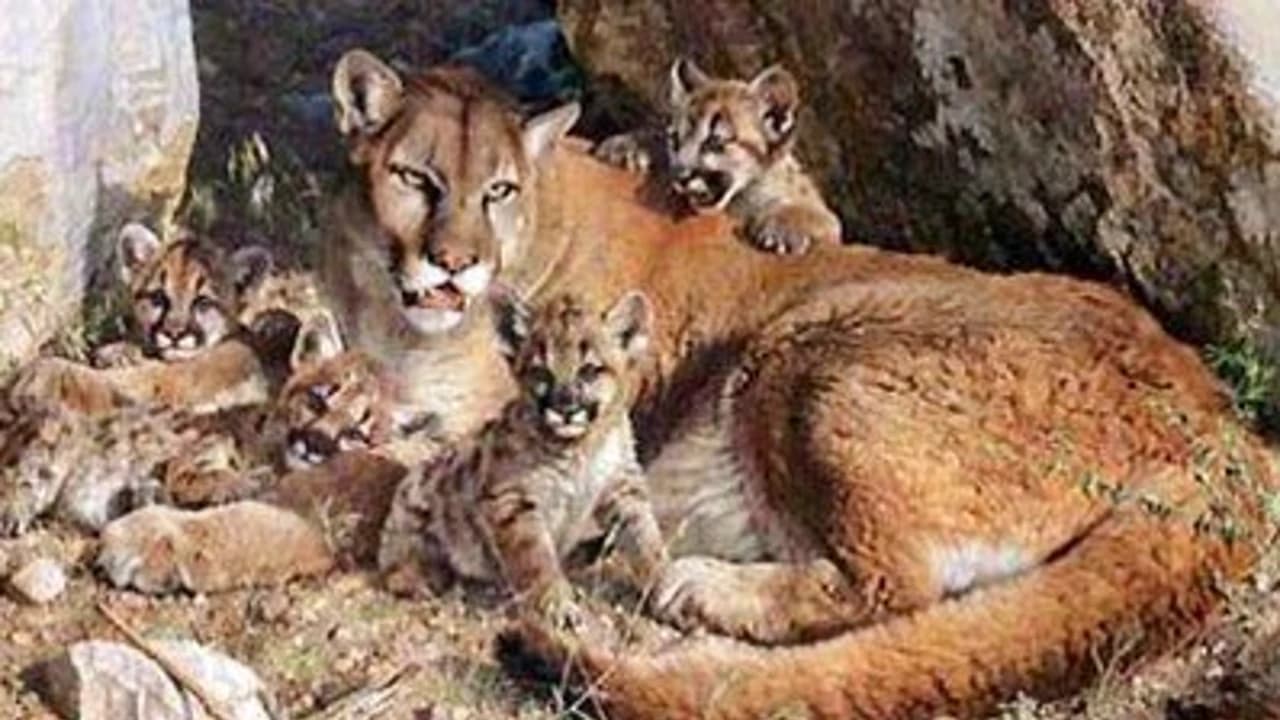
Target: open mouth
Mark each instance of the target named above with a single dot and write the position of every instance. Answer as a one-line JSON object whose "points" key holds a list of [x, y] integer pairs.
{"points": [[567, 424], [704, 189], [444, 297], [301, 453]]}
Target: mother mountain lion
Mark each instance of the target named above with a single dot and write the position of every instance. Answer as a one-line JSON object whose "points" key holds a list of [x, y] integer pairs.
{"points": [[938, 487]]}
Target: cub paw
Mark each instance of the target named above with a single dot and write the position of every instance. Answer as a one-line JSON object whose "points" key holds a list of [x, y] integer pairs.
{"points": [[558, 606], [116, 355], [777, 235], [624, 151], [147, 551], [16, 516]]}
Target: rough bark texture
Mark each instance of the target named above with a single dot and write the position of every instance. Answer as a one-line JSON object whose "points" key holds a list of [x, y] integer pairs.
{"points": [[1120, 140], [99, 108]]}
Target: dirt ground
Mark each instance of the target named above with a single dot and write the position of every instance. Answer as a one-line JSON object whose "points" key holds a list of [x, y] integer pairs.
{"points": [[265, 156]]}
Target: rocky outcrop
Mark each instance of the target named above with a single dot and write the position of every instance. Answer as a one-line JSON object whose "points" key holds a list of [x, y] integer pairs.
{"points": [[99, 102], [1123, 140]]}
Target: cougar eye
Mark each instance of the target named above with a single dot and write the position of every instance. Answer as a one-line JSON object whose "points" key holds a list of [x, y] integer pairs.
{"points": [[419, 180], [500, 191], [204, 303]]}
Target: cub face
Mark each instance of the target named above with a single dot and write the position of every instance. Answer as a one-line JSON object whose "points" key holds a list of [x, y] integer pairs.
{"points": [[726, 133], [183, 295], [448, 170], [334, 400], [576, 368]]}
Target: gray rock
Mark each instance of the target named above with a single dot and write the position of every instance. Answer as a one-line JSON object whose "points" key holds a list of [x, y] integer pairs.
{"points": [[40, 581], [97, 680]]}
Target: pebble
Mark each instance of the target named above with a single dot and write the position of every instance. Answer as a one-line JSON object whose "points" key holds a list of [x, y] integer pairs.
{"points": [[40, 581]]}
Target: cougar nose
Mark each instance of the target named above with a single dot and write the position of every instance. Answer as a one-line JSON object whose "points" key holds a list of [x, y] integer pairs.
{"points": [[453, 261]]}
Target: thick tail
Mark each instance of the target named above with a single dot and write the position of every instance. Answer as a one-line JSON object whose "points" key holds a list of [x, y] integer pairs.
{"points": [[1132, 586]]}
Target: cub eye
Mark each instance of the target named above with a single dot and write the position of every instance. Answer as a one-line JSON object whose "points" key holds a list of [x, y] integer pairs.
{"points": [[713, 144], [540, 382], [500, 192], [673, 138], [156, 298], [318, 398], [590, 372], [204, 303]]}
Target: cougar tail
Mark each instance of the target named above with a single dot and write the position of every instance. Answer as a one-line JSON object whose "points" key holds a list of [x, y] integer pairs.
{"points": [[1132, 586]]}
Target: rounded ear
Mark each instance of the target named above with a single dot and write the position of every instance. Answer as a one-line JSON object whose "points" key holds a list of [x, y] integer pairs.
{"points": [[686, 79], [780, 92], [137, 246], [249, 266], [511, 320], [367, 93], [318, 340], [542, 131], [629, 322]]}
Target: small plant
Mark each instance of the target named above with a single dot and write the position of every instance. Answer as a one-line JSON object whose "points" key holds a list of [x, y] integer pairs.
{"points": [[1251, 375]]}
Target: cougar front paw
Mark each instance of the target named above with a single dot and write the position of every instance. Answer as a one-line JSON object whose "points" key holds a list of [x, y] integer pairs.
{"points": [[148, 551], [624, 151], [780, 236]]}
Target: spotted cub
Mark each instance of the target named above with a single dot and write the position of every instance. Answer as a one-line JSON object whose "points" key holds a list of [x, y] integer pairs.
{"points": [[511, 503], [730, 146], [184, 297], [90, 469]]}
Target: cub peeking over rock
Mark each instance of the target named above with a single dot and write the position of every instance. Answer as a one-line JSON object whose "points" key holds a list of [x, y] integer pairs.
{"points": [[730, 146], [512, 502]]}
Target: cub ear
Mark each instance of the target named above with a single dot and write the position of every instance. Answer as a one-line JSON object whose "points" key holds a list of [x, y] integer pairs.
{"points": [[545, 130], [367, 93], [629, 321], [686, 79], [318, 340], [511, 318], [780, 92], [137, 246], [250, 265]]}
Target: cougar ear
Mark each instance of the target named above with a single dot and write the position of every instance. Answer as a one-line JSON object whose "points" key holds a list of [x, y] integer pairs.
{"points": [[318, 340], [629, 321], [511, 318], [367, 93], [542, 131], [780, 92], [137, 246], [686, 79], [250, 265]]}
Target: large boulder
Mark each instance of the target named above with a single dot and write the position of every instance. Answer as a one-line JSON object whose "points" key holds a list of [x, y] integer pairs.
{"points": [[99, 105], [1125, 140]]}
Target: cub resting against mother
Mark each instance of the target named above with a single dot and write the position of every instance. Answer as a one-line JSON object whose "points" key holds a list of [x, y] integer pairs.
{"points": [[938, 487]]}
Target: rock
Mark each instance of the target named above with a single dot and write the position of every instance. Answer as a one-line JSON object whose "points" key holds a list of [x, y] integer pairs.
{"points": [[101, 107], [531, 61], [40, 581], [97, 679], [1126, 141]]}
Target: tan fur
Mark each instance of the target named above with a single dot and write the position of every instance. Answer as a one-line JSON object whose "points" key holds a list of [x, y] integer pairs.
{"points": [[729, 146], [1012, 476], [511, 503]]}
